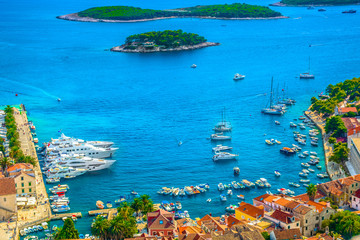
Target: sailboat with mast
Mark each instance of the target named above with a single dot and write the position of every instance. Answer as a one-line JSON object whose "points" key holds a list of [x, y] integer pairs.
{"points": [[223, 126], [307, 75], [272, 110]]}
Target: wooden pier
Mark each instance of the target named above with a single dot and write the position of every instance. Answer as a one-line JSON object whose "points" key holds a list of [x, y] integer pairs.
{"points": [[62, 215], [110, 212]]}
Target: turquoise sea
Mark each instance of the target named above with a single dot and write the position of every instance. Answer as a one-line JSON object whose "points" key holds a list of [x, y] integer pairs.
{"points": [[146, 103]]}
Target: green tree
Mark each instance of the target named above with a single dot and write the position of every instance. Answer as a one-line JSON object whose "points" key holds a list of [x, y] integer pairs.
{"points": [[311, 191], [266, 235], [340, 153], [4, 162], [147, 204], [100, 228], [345, 223], [313, 100], [336, 125], [332, 140], [68, 231]]}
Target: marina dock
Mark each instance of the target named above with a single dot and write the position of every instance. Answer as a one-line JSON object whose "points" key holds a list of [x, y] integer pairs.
{"points": [[68, 215], [109, 212]]}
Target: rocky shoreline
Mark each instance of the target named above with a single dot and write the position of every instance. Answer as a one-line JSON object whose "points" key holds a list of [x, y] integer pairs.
{"points": [[76, 17], [158, 49], [280, 4]]}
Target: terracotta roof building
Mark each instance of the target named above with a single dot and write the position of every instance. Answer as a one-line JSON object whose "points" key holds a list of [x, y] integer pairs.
{"points": [[212, 224], [7, 198], [249, 212], [283, 219], [20, 167], [285, 234], [161, 223]]}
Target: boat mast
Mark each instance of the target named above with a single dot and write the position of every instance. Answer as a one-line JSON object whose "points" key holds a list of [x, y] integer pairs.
{"points": [[309, 64], [271, 92]]}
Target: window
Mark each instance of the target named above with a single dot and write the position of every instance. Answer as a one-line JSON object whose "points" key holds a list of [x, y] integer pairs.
{"points": [[29, 189], [4, 199], [22, 184], [29, 184], [242, 217], [306, 221], [22, 178], [15, 185], [22, 190], [327, 211], [288, 227], [297, 224], [161, 222], [317, 218], [305, 228], [322, 218]]}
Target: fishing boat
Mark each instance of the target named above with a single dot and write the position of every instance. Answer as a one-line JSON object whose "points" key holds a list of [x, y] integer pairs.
{"points": [[238, 76], [108, 204], [277, 122], [277, 173], [241, 197], [259, 184], [220, 147], [236, 170], [271, 110], [349, 11], [302, 118], [224, 156], [231, 208], [219, 137], [100, 204], [265, 182], [221, 187], [307, 75], [223, 198], [223, 126], [242, 186], [287, 151], [178, 205]]}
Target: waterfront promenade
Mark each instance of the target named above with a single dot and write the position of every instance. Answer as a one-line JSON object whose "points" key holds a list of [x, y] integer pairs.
{"points": [[42, 212], [333, 169]]}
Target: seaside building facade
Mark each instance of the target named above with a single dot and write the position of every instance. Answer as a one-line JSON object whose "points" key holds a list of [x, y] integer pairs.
{"points": [[285, 234], [249, 212], [352, 125], [283, 219], [8, 206], [355, 200], [355, 154], [25, 182], [161, 223], [343, 110]]}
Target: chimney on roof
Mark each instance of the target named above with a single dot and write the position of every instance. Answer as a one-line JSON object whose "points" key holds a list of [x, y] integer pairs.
{"points": [[210, 214]]}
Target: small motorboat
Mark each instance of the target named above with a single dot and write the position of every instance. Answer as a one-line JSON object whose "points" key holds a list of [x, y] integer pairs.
{"points": [[320, 175], [268, 142], [277, 122], [178, 205], [238, 76], [236, 170], [306, 153], [313, 153], [287, 151], [208, 200], [311, 170], [293, 125], [223, 198], [304, 180], [100, 204], [321, 10], [231, 209], [277, 142], [219, 137], [134, 193], [318, 166], [302, 174], [193, 66], [241, 197], [277, 173], [294, 184], [305, 165], [349, 11], [220, 147], [108, 204], [224, 156], [229, 192], [315, 144], [302, 156]]}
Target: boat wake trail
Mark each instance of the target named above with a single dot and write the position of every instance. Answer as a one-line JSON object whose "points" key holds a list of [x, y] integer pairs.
{"points": [[25, 85]]}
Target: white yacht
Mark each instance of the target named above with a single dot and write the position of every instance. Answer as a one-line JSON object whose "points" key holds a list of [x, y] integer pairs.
{"points": [[220, 137], [220, 147], [223, 126], [65, 139], [64, 172], [238, 76], [224, 156], [79, 148], [79, 161]]}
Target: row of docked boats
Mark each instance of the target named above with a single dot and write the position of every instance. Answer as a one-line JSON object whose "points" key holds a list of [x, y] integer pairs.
{"points": [[185, 191], [33, 229], [59, 203], [272, 141], [68, 157], [175, 208], [260, 183]]}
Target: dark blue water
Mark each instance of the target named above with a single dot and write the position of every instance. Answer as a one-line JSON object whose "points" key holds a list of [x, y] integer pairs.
{"points": [[146, 103]]}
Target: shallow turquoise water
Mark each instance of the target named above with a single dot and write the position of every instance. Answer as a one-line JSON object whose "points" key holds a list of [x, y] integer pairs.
{"points": [[146, 103]]}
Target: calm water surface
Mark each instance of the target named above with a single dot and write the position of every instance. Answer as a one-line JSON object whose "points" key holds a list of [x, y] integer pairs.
{"points": [[147, 103]]}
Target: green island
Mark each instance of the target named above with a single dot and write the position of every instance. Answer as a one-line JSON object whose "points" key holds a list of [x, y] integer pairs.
{"points": [[315, 3], [168, 40], [134, 14]]}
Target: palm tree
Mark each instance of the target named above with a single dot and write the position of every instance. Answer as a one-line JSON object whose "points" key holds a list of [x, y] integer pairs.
{"points": [[148, 205], [5, 162], [137, 205], [100, 228], [125, 211], [311, 191]]}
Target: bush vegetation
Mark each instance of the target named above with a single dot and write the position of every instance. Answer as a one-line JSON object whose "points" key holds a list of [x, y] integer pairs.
{"points": [[235, 10], [167, 38], [345, 223], [320, 2]]}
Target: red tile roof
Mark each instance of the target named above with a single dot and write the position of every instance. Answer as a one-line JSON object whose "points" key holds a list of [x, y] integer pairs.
{"points": [[251, 210], [7, 186], [161, 219], [20, 166], [348, 109], [304, 197], [287, 234], [302, 209], [283, 216], [350, 123], [357, 193]]}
